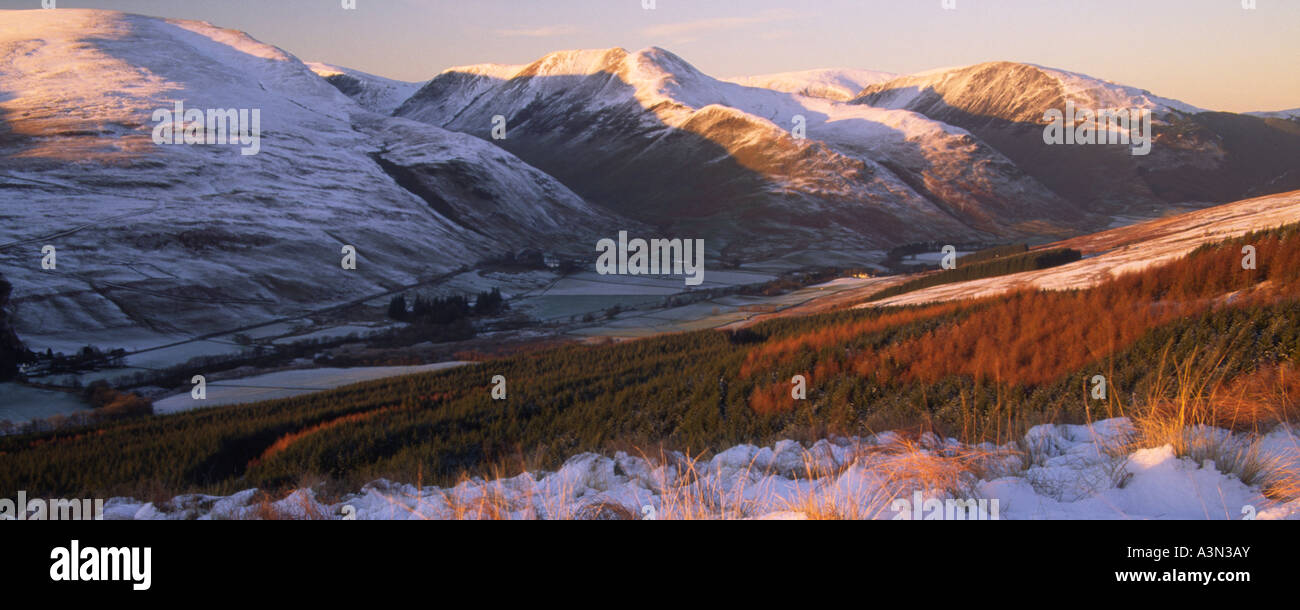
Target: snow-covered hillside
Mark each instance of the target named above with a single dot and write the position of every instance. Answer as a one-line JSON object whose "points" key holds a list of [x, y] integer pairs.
{"points": [[1294, 113], [374, 93], [839, 84], [614, 125], [461, 85], [1054, 472], [1112, 253], [156, 242], [1193, 155]]}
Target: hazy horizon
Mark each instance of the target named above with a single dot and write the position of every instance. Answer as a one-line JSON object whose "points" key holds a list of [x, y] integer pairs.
{"points": [[1209, 53]]}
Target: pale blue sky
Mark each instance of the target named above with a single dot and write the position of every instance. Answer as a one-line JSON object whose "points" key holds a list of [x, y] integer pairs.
{"points": [[1210, 53]]}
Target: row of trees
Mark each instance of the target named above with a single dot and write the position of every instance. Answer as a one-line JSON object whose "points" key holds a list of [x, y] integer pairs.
{"points": [[12, 351], [444, 310], [985, 268]]}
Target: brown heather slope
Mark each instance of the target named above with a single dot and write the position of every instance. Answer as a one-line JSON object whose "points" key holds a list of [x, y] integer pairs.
{"points": [[1031, 337]]}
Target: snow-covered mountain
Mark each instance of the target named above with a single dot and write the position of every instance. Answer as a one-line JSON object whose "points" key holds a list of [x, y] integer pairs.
{"points": [[1196, 156], [1009, 91], [374, 93], [839, 84], [159, 241], [648, 135], [460, 86], [1292, 114]]}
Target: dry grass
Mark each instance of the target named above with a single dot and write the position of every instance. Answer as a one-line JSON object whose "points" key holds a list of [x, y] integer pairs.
{"points": [[1270, 395], [1206, 418], [266, 508], [899, 467], [605, 511], [688, 489]]}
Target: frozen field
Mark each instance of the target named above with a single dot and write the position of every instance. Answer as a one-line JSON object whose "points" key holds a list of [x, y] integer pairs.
{"points": [[21, 404], [285, 384], [335, 332], [714, 313], [562, 307]]}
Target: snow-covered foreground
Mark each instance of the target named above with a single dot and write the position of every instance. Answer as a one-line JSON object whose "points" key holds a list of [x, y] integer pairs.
{"points": [[1055, 472]]}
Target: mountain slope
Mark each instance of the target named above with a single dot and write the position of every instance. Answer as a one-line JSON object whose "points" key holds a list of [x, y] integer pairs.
{"points": [[647, 135], [1292, 114], [162, 241], [374, 93], [1196, 156]]}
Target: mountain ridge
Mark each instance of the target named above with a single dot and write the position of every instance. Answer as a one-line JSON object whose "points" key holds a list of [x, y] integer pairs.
{"points": [[1197, 155], [656, 108]]}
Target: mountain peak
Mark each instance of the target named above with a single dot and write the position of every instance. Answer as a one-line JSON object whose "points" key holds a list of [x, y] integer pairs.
{"points": [[576, 62], [490, 70], [1012, 91]]}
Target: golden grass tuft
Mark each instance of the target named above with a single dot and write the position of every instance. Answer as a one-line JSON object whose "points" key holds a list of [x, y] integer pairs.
{"points": [[1206, 418]]}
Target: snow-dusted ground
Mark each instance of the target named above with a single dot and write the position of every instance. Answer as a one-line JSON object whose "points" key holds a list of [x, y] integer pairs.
{"points": [[335, 332], [285, 384], [1055, 472]]}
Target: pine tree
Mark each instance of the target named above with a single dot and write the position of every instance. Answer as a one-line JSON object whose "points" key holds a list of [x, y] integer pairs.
{"points": [[397, 307]]}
